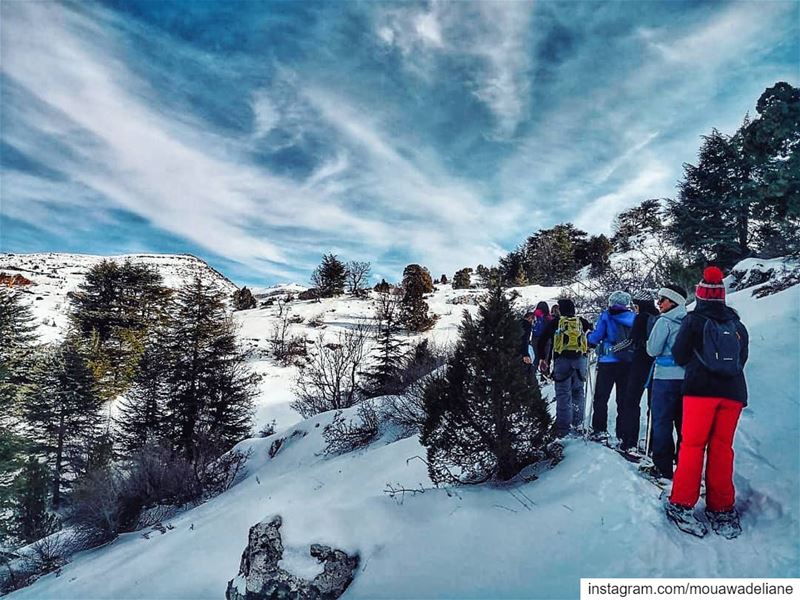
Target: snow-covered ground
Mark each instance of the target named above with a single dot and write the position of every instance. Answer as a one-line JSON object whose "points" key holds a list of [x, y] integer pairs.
{"points": [[591, 516]]}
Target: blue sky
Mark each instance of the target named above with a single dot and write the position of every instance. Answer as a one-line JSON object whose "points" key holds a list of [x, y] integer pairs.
{"points": [[261, 135]]}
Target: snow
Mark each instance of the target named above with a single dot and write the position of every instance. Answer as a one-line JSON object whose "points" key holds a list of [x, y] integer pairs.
{"points": [[591, 516]]}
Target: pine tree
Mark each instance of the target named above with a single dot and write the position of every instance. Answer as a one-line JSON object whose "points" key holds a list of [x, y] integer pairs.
{"points": [[243, 299], [30, 520], [143, 411], [416, 282], [62, 411], [772, 143], [711, 218], [486, 419], [646, 218], [462, 279], [113, 311], [329, 277], [18, 350], [210, 388], [383, 377]]}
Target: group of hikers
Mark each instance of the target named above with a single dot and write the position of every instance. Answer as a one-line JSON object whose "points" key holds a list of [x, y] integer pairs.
{"points": [[690, 364]]}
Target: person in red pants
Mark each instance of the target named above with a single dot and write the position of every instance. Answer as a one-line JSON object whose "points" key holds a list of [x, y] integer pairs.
{"points": [[712, 344]]}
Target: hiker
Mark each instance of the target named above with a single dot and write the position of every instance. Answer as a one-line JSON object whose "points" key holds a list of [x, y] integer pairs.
{"points": [[611, 336], [567, 336], [555, 311], [667, 380], [641, 363], [541, 317], [526, 349], [712, 344]]}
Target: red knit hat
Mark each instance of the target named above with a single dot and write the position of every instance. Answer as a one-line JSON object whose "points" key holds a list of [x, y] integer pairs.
{"points": [[711, 288]]}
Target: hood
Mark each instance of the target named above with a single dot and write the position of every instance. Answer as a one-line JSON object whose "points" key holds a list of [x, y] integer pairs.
{"points": [[676, 314], [623, 316], [715, 310]]}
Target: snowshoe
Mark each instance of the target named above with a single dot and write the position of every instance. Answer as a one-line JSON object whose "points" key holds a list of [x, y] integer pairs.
{"points": [[725, 523], [630, 454], [601, 437], [685, 519], [651, 473]]}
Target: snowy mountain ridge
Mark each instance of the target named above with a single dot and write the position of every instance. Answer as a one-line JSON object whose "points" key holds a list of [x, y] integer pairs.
{"points": [[54, 275]]}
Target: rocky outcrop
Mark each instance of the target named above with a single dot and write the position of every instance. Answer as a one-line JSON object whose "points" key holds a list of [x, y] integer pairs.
{"points": [[261, 578]]}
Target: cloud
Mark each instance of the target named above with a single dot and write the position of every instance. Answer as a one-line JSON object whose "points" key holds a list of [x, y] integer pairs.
{"points": [[494, 36]]}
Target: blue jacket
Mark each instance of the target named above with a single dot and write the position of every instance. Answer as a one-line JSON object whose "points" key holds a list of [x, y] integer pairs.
{"points": [[659, 344], [605, 332]]}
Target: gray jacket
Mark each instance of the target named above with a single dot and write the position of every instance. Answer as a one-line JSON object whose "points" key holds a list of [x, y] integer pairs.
{"points": [[659, 344]]}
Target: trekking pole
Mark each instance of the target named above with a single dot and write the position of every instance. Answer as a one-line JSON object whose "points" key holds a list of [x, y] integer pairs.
{"points": [[648, 435], [590, 395]]}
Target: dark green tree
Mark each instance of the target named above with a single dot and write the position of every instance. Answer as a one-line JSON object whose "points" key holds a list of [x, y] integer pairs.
{"points": [[382, 377], [143, 412], [711, 218], [62, 412], [462, 279], [112, 312], [210, 387], [329, 277], [549, 255], [30, 519], [416, 282], [243, 299], [645, 218], [485, 419], [772, 144]]}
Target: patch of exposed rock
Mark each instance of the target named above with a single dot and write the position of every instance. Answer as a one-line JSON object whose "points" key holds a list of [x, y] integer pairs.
{"points": [[261, 578]]}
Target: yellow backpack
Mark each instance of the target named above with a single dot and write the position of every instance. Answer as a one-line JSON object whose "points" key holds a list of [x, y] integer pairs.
{"points": [[570, 336]]}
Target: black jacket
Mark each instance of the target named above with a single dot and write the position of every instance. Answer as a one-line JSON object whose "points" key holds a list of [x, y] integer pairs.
{"points": [[549, 333], [698, 380], [525, 338]]}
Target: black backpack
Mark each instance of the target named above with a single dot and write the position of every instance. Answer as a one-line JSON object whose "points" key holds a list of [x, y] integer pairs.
{"points": [[721, 352]]}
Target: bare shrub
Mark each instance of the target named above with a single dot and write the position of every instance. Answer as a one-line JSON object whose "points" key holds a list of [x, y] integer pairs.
{"points": [[345, 435], [407, 409], [224, 472], [357, 277], [330, 379], [268, 429], [317, 320], [286, 348]]}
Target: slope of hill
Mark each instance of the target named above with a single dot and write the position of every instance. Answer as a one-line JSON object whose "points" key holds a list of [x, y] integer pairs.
{"points": [[54, 275], [592, 516]]}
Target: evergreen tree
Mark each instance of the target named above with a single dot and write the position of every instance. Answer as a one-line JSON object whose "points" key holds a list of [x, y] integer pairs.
{"points": [[383, 287], [462, 279], [30, 519], [112, 311], [710, 219], [383, 377], [143, 411], [329, 277], [549, 255], [62, 411], [646, 218], [772, 144], [485, 419], [443, 279], [18, 349], [416, 282], [243, 299], [210, 388]]}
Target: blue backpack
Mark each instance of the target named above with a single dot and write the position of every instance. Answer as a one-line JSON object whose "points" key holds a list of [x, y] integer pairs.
{"points": [[721, 348]]}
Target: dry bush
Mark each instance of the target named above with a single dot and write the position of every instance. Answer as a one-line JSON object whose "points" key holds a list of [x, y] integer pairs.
{"points": [[345, 435], [286, 348], [330, 379]]}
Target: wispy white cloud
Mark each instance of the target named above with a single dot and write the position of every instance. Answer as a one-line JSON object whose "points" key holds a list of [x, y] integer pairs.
{"points": [[496, 36]]}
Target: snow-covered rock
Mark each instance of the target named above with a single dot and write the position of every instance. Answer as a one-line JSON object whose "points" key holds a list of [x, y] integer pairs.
{"points": [[261, 577]]}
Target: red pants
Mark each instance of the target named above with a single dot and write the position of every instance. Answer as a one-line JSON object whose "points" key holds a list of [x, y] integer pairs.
{"points": [[707, 422]]}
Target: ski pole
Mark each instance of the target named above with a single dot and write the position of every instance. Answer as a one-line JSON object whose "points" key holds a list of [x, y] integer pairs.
{"points": [[590, 395]]}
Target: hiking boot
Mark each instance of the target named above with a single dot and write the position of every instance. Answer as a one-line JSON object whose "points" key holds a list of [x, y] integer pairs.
{"points": [[684, 519], [725, 523]]}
